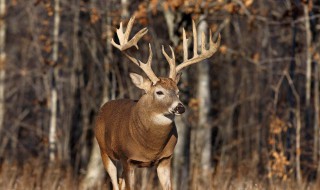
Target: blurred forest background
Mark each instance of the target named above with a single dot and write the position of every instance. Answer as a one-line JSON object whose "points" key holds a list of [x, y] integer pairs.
{"points": [[253, 108]]}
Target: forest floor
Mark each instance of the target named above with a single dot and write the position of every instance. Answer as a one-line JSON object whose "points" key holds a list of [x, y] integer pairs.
{"points": [[35, 177]]}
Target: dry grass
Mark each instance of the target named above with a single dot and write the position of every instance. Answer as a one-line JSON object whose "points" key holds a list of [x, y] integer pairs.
{"points": [[33, 176]]}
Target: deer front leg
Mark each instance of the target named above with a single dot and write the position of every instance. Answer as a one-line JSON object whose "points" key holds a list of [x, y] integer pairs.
{"points": [[164, 173], [111, 168], [128, 174]]}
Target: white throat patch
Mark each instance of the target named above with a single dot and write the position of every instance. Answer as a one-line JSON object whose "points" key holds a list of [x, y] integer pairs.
{"points": [[160, 119]]}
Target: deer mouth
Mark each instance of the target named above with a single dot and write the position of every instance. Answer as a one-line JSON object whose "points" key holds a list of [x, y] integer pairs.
{"points": [[179, 109], [172, 113]]}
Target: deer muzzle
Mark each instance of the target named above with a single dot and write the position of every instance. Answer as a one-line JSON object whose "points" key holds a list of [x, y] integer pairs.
{"points": [[179, 109]]}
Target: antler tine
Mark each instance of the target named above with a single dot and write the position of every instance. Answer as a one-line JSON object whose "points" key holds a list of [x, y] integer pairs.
{"points": [[203, 42], [146, 67], [125, 44], [171, 61], [215, 46], [204, 52], [128, 30], [124, 36], [195, 41]]}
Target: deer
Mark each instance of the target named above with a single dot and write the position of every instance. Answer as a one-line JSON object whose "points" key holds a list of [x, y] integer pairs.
{"points": [[142, 133]]}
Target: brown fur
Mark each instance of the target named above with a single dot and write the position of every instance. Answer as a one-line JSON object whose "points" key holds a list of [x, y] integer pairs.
{"points": [[126, 133]]}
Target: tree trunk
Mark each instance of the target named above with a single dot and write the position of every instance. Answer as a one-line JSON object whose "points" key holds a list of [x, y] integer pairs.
{"points": [[308, 55], [124, 9], [227, 100], [297, 115], [317, 111], [201, 156], [2, 61], [180, 170], [95, 170], [54, 94], [309, 79], [170, 18]]}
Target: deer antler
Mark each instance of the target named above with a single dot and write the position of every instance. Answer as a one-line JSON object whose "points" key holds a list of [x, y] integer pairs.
{"points": [[205, 53], [125, 44], [171, 61]]}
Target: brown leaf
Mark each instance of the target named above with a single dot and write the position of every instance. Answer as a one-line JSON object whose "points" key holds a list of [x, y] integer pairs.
{"points": [[47, 48], [256, 57], [153, 6], [42, 37], [194, 103], [14, 2], [94, 16], [223, 49], [230, 7], [165, 6], [247, 3]]}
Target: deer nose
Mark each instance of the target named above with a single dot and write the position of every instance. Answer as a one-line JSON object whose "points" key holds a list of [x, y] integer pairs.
{"points": [[180, 109]]}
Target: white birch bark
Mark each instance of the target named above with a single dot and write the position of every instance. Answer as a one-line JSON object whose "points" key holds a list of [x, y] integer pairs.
{"points": [[308, 55], [170, 17], [54, 94], [202, 136], [308, 76], [124, 9], [2, 61]]}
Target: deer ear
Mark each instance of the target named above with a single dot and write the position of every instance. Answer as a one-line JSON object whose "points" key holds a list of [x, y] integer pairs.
{"points": [[178, 77], [141, 82]]}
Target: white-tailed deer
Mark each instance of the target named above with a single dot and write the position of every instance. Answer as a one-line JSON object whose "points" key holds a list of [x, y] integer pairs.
{"points": [[142, 133]]}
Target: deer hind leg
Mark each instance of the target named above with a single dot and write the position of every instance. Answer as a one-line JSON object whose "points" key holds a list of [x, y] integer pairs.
{"points": [[111, 168], [128, 175], [122, 184], [164, 173]]}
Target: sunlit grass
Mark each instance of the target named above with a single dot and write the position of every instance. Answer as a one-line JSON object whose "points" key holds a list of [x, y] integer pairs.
{"points": [[36, 175]]}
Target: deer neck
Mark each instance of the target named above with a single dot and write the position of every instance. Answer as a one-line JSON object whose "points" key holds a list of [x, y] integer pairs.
{"points": [[149, 126]]}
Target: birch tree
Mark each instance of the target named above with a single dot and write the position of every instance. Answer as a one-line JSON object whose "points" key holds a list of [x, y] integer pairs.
{"points": [[54, 94], [308, 75], [201, 137], [2, 61]]}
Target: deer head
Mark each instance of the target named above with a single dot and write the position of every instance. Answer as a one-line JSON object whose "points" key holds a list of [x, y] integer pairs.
{"points": [[162, 93]]}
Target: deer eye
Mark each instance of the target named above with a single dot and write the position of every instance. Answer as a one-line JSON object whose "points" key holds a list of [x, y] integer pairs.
{"points": [[159, 93]]}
